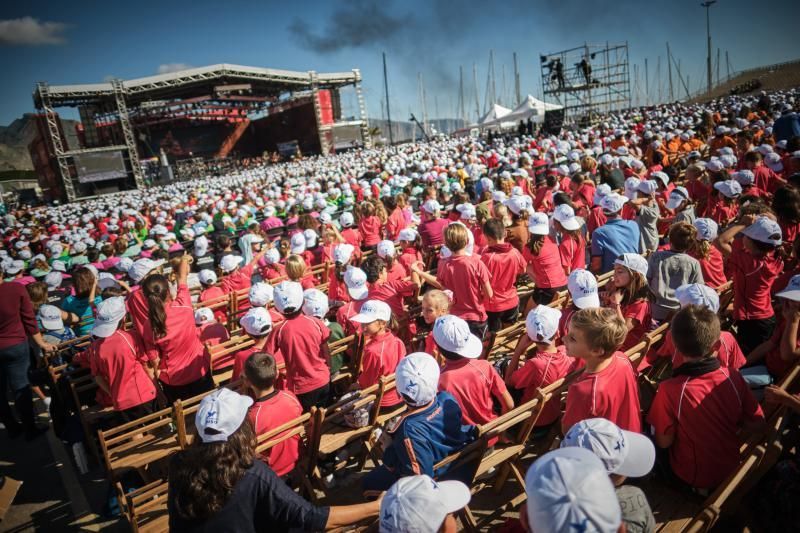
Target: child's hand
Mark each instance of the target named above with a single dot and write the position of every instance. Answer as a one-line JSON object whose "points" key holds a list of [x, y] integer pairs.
{"points": [[775, 395]]}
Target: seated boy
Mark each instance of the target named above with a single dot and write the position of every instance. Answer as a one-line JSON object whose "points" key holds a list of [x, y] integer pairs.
{"points": [[547, 364], [505, 264], [473, 382], [271, 409], [607, 388], [428, 432], [258, 325], [699, 412]]}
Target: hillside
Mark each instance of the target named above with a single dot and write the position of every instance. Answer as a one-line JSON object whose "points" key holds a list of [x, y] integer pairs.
{"points": [[15, 137], [404, 130], [772, 77]]}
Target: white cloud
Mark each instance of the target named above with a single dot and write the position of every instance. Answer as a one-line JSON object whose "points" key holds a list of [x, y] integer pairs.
{"points": [[166, 68], [31, 31]]}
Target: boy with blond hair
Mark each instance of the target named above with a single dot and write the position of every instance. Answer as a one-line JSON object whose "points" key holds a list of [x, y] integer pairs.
{"points": [[607, 387]]}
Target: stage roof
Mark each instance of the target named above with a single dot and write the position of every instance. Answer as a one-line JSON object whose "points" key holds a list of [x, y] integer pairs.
{"points": [[263, 81]]}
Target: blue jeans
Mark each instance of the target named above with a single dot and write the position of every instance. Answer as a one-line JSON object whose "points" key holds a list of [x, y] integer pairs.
{"points": [[14, 363]]}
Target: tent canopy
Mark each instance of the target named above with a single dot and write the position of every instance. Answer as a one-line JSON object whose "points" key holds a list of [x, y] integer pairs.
{"points": [[496, 112]]}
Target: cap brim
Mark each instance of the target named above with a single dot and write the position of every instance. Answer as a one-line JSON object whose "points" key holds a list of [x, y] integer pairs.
{"points": [[790, 295], [55, 323], [539, 230], [473, 349], [570, 224], [106, 329], [587, 302], [363, 318], [297, 249], [672, 203], [453, 495], [358, 293], [641, 456]]}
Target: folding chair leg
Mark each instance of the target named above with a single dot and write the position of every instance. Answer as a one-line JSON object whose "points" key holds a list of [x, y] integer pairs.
{"points": [[468, 519], [501, 478]]}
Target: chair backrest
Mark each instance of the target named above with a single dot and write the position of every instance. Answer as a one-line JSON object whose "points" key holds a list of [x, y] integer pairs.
{"points": [[560, 300], [184, 412], [636, 352], [505, 341], [139, 442], [222, 353], [300, 426], [147, 507]]}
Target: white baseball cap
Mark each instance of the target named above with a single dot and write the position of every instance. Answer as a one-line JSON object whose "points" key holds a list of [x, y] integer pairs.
{"points": [[346, 220], [613, 203], [648, 187], [539, 224], [385, 249], [311, 238], [59, 266], [661, 176], [634, 262], [260, 294], [315, 303], [356, 281], [601, 192], [714, 165], [706, 229], [106, 280], [50, 317], [407, 234], [541, 324], [342, 253], [14, 267], [373, 310], [417, 377], [207, 277], [677, 197], [109, 314], [53, 279], [744, 177], [256, 321], [631, 186], [431, 207], [729, 188], [78, 248], [698, 294], [124, 264], [792, 290], [566, 217], [230, 262], [516, 204], [420, 504], [220, 414], [571, 486], [141, 267], [272, 256], [452, 334], [622, 452], [298, 243], [288, 295], [582, 287], [203, 315], [764, 230]]}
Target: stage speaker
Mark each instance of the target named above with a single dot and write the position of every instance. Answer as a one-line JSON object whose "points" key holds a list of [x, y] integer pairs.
{"points": [[553, 121]]}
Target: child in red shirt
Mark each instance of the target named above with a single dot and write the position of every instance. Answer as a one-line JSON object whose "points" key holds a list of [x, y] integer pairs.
{"points": [[473, 382], [303, 342], [725, 209], [544, 261], [297, 270], [435, 303], [548, 363], [382, 350], [707, 254], [410, 246], [394, 270], [467, 277], [369, 226], [572, 248], [271, 266], [350, 234], [271, 409], [703, 412], [629, 297], [607, 387], [211, 332], [754, 268], [257, 324], [505, 264], [211, 291]]}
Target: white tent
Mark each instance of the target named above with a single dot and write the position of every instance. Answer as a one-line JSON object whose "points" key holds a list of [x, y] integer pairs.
{"points": [[495, 113], [530, 107]]}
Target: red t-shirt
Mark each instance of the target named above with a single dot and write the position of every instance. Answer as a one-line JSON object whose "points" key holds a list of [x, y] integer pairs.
{"points": [[392, 293], [396, 273], [239, 280], [504, 263], [596, 219], [300, 341], [213, 333], [394, 224], [547, 269], [432, 231], [408, 257], [639, 312], [704, 413], [752, 281], [370, 229], [612, 394], [120, 360], [540, 370], [238, 360], [352, 237], [274, 271], [572, 252], [345, 313], [272, 411], [473, 383], [712, 268], [182, 357], [380, 358], [205, 296], [777, 365], [465, 275]]}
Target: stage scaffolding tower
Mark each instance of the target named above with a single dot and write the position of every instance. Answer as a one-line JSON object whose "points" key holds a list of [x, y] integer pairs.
{"points": [[588, 81]]}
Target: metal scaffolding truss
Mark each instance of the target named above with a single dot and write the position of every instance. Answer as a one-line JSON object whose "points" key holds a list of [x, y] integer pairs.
{"points": [[588, 80], [127, 102]]}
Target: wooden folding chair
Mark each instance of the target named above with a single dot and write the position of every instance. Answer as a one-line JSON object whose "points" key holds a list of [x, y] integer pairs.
{"points": [[221, 357], [301, 427], [220, 303], [146, 508], [504, 342], [341, 347], [89, 414]]}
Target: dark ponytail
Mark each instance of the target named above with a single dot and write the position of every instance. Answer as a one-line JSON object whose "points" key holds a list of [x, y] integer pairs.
{"points": [[156, 290]]}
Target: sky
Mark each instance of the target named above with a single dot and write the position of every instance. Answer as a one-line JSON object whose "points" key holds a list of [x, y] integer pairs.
{"points": [[91, 41]]}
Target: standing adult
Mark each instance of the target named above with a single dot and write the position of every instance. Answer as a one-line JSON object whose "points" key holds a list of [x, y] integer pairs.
{"points": [[17, 325]]}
